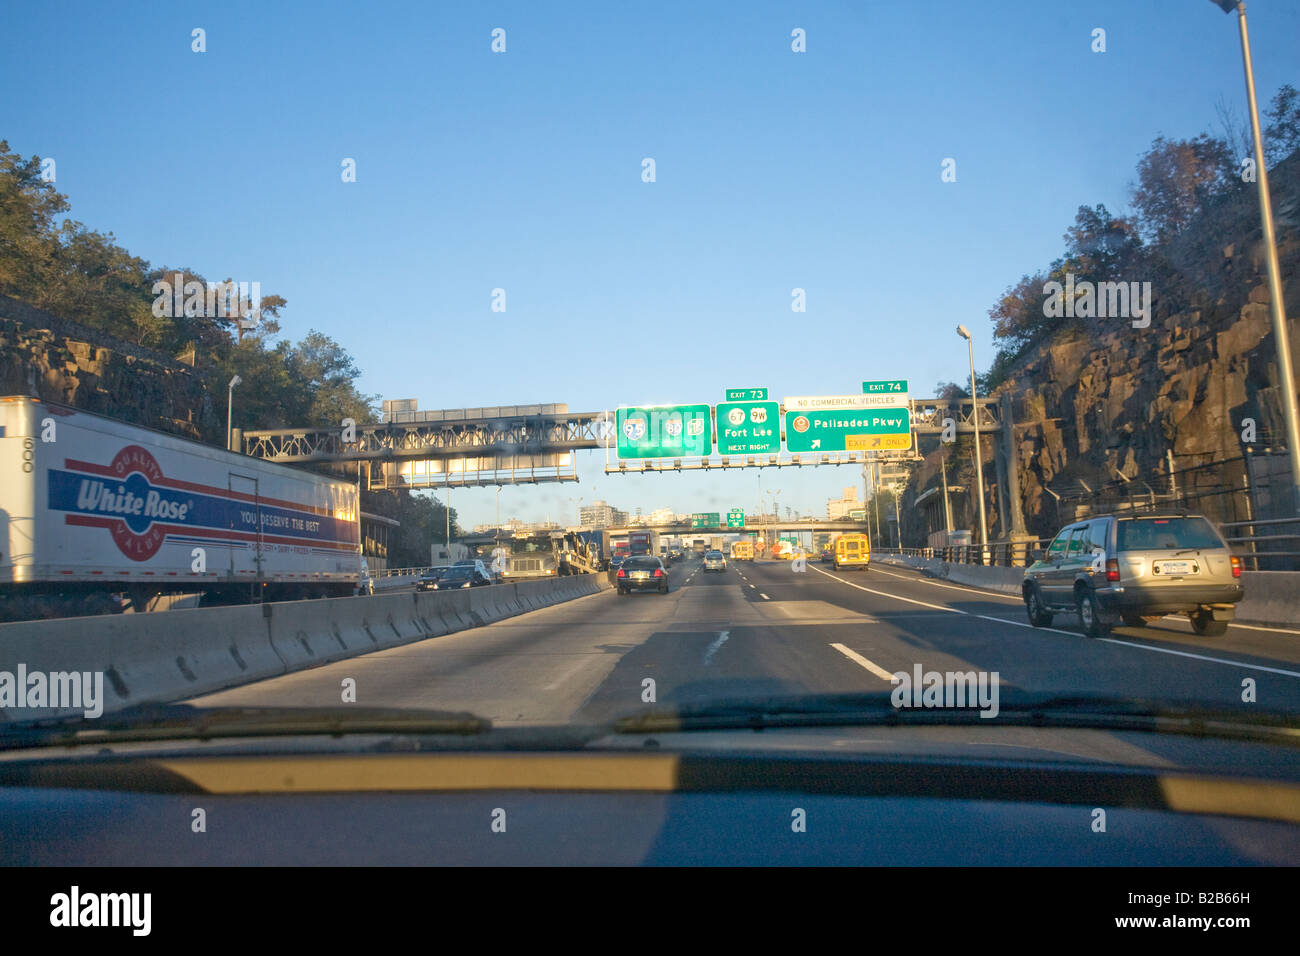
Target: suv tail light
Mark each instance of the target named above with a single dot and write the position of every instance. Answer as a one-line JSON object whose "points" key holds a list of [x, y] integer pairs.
{"points": [[622, 573], [1236, 566], [1112, 570]]}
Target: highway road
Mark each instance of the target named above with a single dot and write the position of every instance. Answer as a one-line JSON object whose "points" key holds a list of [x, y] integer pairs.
{"points": [[761, 628]]}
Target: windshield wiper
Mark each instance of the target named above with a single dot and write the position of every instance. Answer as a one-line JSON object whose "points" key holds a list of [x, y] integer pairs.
{"points": [[158, 722], [854, 710]]}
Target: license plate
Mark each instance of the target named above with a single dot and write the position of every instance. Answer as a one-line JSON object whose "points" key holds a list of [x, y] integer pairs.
{"points": [[1176, 567], [640, 575]]}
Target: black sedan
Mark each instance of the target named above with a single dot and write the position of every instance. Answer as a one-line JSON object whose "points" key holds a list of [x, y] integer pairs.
{"points": [[429, 578], [462, 576], [643, 572]]}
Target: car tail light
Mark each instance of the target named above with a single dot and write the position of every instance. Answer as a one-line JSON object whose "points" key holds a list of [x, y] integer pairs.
{"points": [[659, 572], [1236, 566], [622, 573], [1112, 570]]}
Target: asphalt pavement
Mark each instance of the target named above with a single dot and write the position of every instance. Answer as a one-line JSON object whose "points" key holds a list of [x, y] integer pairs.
{"points": [[765, 628]]}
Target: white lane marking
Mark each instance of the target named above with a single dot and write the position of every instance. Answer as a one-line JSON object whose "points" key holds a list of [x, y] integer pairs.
{"points": [[952, 587], [713, 648], [859, 659], [754, 586], [1053, 630], [764, 596], [1202, 657], [1015, 600]]}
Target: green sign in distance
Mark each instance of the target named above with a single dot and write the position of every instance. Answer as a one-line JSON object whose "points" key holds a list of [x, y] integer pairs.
{"points": [[735, 518], [749, 428], [889, 386], [710, 520], [849, 429], [664, 431], [746, 394]]}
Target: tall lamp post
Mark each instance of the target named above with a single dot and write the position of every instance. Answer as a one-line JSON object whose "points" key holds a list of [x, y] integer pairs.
{"points": [[1274, 273], [230, 402], [979, 453]]}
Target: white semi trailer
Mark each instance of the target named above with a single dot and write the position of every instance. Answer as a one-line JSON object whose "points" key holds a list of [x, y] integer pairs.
{"points": [[96, 513]]}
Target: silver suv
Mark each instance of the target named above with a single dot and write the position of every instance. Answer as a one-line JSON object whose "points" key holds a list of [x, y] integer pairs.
{"points": [[1135, 569]]}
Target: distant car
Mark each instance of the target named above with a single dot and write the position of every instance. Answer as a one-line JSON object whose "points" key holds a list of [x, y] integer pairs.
{"points": [[642, 572], [715, 561], [429, 578], [827, 555], [677, 553], [616, 561], [474, 574], [1135, 569]]}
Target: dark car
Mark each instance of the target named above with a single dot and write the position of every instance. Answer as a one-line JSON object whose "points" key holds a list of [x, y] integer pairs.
{"points": [[828, 555], [642, 572], [470, 575], [429, 578], [616, 561], [1135, 569]]}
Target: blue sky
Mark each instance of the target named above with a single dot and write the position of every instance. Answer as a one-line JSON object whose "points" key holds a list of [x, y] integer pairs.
{"points": [[522, 171]]}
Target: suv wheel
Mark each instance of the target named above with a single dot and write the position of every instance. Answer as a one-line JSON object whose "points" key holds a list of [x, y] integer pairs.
{"points": [[1203, 623], [1090, 614], [1039, 616]]}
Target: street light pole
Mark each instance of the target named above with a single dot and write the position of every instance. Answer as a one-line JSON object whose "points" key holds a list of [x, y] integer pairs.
{"points": [[1274, 272], [979, 456], [230, 401]]}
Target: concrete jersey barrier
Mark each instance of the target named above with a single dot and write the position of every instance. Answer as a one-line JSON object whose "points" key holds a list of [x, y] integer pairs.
{"points": [[174, 655]]}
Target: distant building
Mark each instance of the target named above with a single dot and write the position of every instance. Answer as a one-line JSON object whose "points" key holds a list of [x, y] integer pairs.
{"points": [[662, 516], [600, 514], [837, 509]]}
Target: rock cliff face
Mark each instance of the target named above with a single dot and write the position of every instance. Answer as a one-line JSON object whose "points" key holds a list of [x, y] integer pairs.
{"points": [[1092, 405], [59, 361]]}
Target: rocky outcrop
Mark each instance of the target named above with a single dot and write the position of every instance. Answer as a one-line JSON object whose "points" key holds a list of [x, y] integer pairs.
{"points": [[1095, 404], [60, 361]]}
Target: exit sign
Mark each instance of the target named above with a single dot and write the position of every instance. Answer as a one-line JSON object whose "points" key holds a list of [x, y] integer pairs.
{"points": [[896, 386], [746, 394]]}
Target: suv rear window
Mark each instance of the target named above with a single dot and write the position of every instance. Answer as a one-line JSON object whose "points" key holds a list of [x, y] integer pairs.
{"points": [[1155, 534]]}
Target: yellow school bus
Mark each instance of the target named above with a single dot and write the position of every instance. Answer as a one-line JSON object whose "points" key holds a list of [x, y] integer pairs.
{"points": [[742, 551], [852, 551]]}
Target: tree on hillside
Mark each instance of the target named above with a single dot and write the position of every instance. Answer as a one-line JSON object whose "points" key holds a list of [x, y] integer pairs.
{"points": [[1282, 133], [1100, 246], [1018, 316], [327, 372], [28, 207], [1177, 179]]}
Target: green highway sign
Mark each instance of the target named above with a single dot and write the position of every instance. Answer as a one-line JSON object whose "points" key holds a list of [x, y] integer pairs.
{"points": [[746, 394], [896, 386], [848, 429], [664, 431], [749, 428], [735, 518], [710, 520]]}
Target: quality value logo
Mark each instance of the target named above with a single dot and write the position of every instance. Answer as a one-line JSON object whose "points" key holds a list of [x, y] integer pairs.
{"points": [[126, 498]]}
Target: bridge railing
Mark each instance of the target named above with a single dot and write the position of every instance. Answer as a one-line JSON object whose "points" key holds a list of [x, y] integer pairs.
{"points": [[1002, 554]]}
